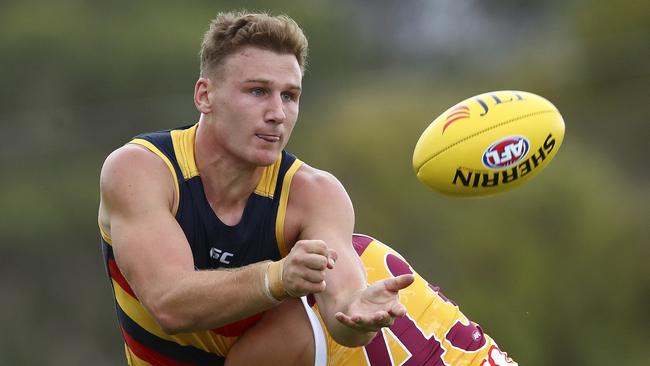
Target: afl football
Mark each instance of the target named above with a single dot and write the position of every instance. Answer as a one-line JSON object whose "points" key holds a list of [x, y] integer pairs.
{"points": [[488, 143]]}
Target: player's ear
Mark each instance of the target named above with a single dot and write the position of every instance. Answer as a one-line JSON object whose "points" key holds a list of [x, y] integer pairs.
{"points": [[202, 90]]}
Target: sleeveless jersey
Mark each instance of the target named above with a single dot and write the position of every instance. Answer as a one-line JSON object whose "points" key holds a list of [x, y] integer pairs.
{"points": [[257, 237], [434, 331]]}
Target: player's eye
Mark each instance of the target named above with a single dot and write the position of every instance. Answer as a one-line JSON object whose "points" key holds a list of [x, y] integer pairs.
{"points": [[288, 97], [257, 92]]}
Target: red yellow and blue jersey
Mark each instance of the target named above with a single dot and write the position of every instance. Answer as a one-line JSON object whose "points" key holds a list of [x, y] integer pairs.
{"points": [[257, 237], [433, 332]]}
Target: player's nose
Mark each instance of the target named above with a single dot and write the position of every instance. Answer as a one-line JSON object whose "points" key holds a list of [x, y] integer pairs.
{"points": [[275, 110]]}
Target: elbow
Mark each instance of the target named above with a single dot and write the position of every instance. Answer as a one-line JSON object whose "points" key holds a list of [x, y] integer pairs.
{"points": [[171, 325], [170, 319]]}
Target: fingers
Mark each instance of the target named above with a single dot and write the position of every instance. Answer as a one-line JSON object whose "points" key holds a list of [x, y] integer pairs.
{"points": [[310, 255], [304, 267], [313, 276], [368, 322], [332, 256], [299, 280], [302, 287], [315, 254], [377, 306], [398, 310], [398, 283], [311, 246]]}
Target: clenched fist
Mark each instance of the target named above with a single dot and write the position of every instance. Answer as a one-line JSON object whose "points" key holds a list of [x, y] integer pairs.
{"points": [[301, 272]]}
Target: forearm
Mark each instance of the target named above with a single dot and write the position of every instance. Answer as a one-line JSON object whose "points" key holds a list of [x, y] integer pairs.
{"points": [[350, 337], [203, 300]]}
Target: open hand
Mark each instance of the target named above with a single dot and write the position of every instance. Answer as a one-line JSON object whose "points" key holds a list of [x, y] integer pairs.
{"points": [[376, 306]]}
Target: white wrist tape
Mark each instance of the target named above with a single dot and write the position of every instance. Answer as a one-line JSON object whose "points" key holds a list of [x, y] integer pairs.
{"points": [[266, 287]]}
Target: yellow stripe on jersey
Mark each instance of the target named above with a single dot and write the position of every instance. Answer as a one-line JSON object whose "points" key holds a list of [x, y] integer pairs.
{"points": [[183, 142], [132, 359], [282, 209], [156, 151], [105, 235], [202, 340], [268, 180]]}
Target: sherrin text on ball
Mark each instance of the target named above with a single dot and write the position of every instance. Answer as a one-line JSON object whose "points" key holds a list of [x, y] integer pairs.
{"points": [[488, 143]]}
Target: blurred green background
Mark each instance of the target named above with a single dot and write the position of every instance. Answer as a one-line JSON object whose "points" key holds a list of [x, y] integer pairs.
{"points": [[556, 271]]}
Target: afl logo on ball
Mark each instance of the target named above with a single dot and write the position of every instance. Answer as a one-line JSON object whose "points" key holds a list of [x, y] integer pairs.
{"points": [[505, 152]]}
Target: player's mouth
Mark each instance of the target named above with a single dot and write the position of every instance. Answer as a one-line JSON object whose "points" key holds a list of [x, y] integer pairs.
{"points": [[268, 138]]}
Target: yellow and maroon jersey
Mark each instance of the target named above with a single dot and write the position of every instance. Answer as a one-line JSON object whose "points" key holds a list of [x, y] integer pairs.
{"points": [[257, 237], [433, 332]]}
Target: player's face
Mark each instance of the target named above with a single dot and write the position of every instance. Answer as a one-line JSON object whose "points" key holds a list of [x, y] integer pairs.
{"points": [[255, 103]]}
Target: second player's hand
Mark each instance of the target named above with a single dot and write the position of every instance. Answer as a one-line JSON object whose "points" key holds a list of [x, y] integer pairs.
{"points": [[377, 306]]}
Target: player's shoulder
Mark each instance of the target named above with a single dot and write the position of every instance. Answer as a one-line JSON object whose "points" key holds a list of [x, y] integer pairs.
{"points": [[134, 168], [129, 160], [310, 182], [317, 192], [312, 178]]}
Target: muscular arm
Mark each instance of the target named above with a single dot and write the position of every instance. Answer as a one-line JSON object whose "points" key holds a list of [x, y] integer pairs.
{"points": [[151, 251], [326, 214]]}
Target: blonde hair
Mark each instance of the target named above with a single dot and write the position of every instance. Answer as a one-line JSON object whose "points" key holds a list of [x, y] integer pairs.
{"points": [[233, 30]]}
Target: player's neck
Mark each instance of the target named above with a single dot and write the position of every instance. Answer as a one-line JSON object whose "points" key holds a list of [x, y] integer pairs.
{"points": [[227, 178], [227, 182]]}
